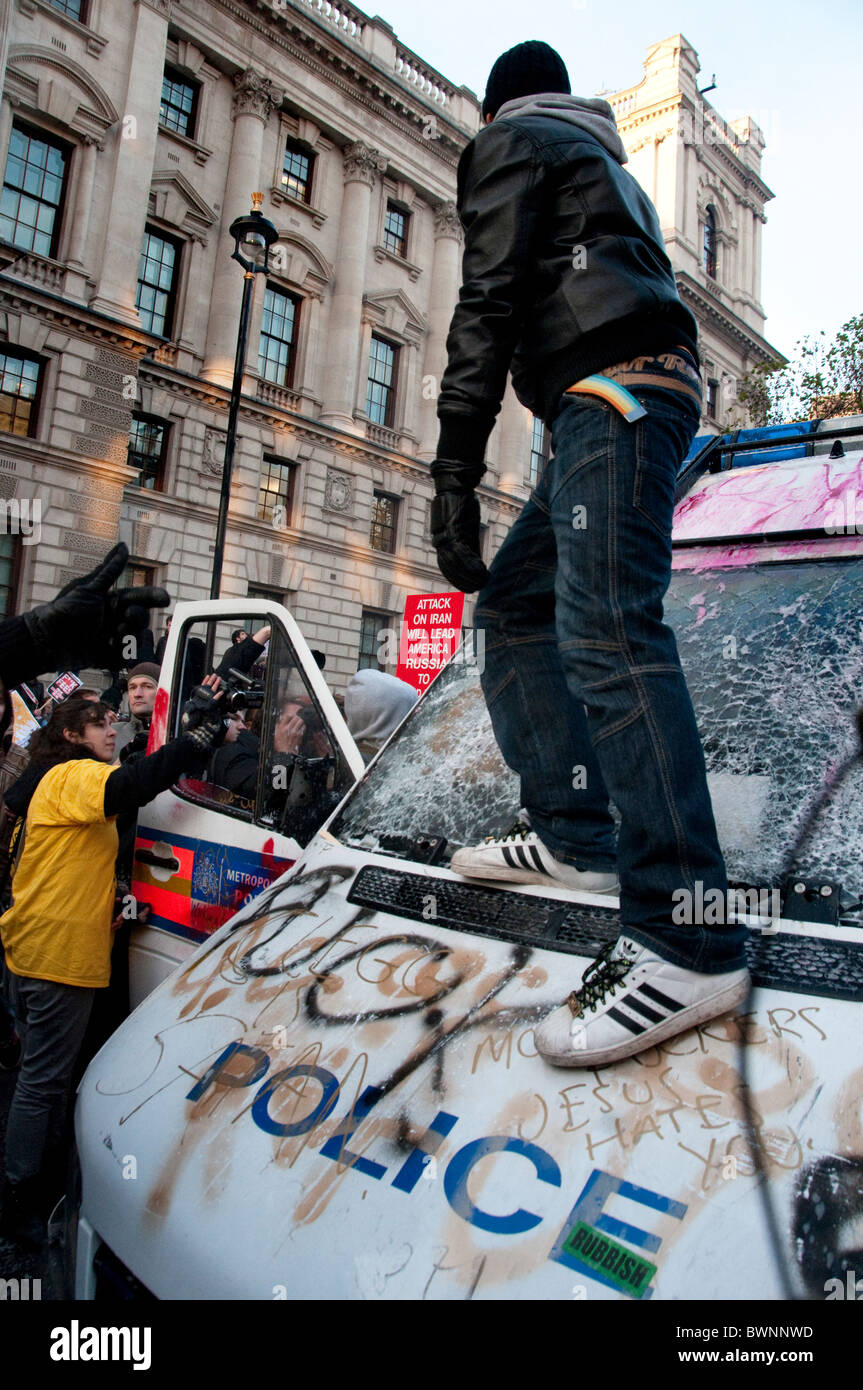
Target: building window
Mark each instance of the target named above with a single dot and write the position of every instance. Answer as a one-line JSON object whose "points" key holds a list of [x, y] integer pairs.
{"points": [[19, 392], [710, 243], [278, 336], [148, 440], [276, 490], [396, 230], [381, 390], [297, 172], [73, 8], [9, 562], [712, 399], [372, 627], [33, 189], [538, 450], [179, 103], [137, 575], [268, 592], [385, 511], [157, 283]]}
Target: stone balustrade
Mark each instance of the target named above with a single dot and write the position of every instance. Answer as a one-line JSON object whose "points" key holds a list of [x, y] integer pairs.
{"points": [[345, 18], [281, 396], [428, 83], [382, 436], [39, 270]]}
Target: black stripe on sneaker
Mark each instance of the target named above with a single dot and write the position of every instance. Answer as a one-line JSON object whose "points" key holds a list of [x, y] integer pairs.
{"points": [[509, 857], [537, 859], [629, 1023], [633, 1002], [659, 998], [522, 856]]}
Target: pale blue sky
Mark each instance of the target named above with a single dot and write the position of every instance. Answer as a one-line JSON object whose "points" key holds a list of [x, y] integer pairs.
{"points": [[794, 66]]}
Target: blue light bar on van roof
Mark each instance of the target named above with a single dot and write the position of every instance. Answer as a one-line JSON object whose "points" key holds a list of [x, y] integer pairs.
{"points": [[715, 453], [745, 458]]}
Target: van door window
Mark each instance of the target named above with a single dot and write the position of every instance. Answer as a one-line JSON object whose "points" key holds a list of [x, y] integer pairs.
{"points": [[306, 775], [229, 780], [278, 766]]}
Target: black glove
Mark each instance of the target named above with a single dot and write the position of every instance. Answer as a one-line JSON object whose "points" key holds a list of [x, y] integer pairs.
{"points": [[202, 720], [455, 524], [85, 625]]}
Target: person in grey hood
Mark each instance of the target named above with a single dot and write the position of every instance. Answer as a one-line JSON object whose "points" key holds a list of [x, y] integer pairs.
{"points": [[566, 283], [375, 705]]}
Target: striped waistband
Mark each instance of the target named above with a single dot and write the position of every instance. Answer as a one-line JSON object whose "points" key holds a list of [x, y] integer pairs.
{"points": [[672, 371]]}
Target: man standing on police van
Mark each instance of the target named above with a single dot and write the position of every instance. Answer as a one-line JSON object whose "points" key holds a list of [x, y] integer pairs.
{"points": [[566, 282]]}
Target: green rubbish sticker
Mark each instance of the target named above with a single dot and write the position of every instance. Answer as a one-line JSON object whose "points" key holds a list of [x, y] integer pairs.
{"points": [[614, 1262]]}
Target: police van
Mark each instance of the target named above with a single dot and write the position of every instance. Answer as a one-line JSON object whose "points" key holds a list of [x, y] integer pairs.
{"points": [[338, 1094]]}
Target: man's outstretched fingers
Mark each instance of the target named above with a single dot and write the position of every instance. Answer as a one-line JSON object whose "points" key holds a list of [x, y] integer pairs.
{"points": [[106, 573], [144, 597]]}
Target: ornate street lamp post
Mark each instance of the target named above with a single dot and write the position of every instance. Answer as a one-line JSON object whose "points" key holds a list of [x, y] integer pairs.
{"points": [[253, 237]]}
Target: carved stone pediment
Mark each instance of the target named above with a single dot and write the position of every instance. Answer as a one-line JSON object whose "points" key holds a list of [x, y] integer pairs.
{"points": [[174, 200], [396, 313], [301, 263]]}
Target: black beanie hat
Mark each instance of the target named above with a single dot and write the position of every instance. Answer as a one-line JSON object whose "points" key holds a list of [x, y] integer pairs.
{"points": [[529, 67]]}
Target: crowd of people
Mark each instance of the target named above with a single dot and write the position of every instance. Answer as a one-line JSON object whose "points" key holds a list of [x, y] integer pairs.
{"points": [[73, 799], [74, 802]]}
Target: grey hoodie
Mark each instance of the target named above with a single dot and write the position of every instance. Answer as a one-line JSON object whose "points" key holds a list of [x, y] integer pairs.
{"points": [[375, 705], [588, 113]]}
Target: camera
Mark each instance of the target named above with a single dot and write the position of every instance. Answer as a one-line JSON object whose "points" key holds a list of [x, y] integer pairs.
{"points": [[241, 692]]}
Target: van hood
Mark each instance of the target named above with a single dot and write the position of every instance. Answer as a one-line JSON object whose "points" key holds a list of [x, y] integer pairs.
{"points": [[336, 1098]]}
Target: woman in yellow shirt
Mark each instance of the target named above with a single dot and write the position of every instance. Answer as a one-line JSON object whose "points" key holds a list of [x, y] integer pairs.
{"points": [[57, 933]]}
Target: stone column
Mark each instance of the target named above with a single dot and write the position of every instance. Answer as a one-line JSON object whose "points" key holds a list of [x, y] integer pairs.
{"points": [[512, 438], [758, 220], [443, 295], [133, 171], [254, 100], [308, 382], [197, 298], [5, 21], [5, 128], [367, 326], [409, 366], [83, 203], [362, 167]]}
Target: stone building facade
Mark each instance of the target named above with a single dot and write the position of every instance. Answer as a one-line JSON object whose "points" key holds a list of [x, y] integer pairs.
{"points": [[132, 135], [704, 177]]}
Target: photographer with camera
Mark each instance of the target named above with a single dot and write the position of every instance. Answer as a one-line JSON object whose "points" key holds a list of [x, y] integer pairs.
{"points": [[242, 655], [235, 764]]}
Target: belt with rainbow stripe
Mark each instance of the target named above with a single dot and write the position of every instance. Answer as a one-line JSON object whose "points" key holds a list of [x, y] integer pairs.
{"points": [[611, 391]]}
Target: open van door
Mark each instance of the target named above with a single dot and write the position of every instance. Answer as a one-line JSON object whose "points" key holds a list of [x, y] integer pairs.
{"points": [[213, 841]]}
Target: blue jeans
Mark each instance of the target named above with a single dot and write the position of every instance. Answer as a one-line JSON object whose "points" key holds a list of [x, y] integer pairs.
{"points": [[583, 681]]}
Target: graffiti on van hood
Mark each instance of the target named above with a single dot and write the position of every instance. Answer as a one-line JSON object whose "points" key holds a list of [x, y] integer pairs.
{"points": [[342, 1056]]}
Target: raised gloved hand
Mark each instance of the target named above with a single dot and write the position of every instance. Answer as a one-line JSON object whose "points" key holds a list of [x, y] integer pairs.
{"points": [[87, 624], [455, 524], [202, 719]]}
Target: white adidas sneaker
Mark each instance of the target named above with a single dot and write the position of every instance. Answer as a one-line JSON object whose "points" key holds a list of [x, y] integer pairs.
{"points": [[630, 999], [521, 857]]}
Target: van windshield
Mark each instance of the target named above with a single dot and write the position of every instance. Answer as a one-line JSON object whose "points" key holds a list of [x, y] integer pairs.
{"points": [[773, 655]]}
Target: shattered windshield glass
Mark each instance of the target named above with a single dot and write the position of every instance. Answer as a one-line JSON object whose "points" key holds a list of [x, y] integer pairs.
{"points": [[773, 655]]}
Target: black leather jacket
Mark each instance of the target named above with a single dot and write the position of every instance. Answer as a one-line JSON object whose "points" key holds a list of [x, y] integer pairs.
{"points": [[564, 273]]}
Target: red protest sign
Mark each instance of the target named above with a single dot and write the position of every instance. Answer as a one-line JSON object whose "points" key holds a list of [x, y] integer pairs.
{"points": [[431, 631]]}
